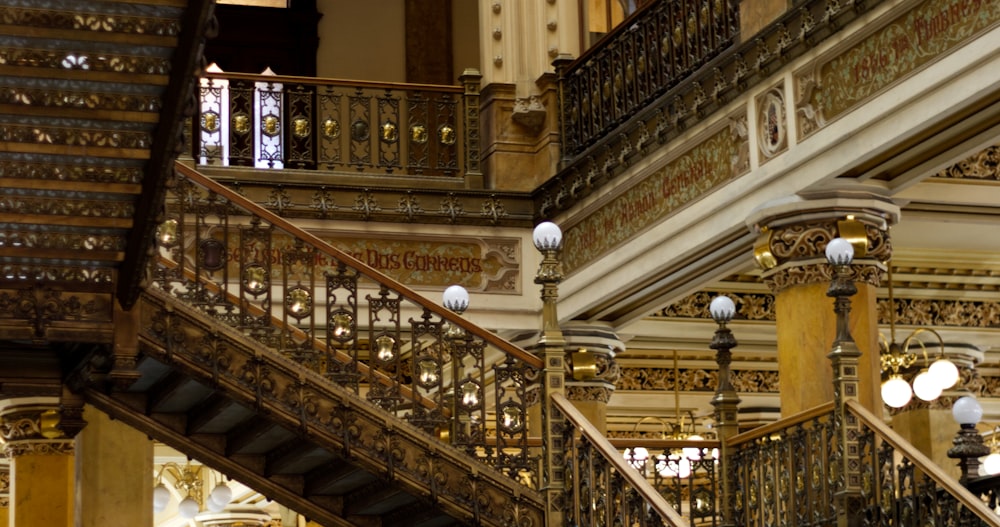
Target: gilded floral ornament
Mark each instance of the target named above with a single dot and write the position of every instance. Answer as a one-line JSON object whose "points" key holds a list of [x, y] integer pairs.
{"points": [[241, 123]]}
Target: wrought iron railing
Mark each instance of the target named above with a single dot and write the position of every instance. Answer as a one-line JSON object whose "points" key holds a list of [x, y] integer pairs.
{"points": [[685, 472], [318, 306], [602, 488], [270, 121], [790, 473], [646, 56], [784, 471], [902, 487]]}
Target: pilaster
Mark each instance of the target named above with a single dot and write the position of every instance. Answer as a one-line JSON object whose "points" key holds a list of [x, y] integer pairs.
{"points": [[592, 371]]}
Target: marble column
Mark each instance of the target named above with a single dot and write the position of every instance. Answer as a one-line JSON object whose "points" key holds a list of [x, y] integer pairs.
{"points": [[790, 250], [41, 457], [114, 474]]}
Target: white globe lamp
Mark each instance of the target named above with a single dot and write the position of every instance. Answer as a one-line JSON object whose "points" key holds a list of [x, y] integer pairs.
{"points": [[896, 392]]}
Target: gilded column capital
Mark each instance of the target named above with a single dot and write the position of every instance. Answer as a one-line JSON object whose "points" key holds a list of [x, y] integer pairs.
{"points": [[793, 237], [31, 427], [591, 369]]}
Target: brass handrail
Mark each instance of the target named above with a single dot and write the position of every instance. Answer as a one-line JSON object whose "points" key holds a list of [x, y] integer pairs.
{"points": [[645, 490], [781, 424], [363, 269], [924, 464]]}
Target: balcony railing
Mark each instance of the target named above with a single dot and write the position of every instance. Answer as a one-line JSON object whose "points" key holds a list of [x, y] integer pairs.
{"points": [[648, 54], [270, 121], [323, 309]]}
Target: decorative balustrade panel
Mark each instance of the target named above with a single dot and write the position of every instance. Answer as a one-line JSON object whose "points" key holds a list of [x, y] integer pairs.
{"points": [[686, 474], [787, 477], [267, 121], [326, 311], [640, 62], [895, 492], [598, 494]]}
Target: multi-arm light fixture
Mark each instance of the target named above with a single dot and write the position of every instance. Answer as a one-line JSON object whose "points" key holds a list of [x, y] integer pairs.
{"points": [[188, 479], [930, 381]]}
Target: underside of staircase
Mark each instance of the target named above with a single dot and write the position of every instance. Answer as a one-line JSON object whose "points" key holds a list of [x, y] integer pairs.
{"points": [[290, 434]]}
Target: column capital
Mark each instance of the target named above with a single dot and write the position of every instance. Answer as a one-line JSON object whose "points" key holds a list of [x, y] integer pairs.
{"points": [[793, 235], [30, 426]]}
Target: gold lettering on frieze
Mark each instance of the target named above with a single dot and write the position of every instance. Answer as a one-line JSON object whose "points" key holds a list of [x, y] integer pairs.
{"points": [[681, 182], [908, 43], [478, 264]]}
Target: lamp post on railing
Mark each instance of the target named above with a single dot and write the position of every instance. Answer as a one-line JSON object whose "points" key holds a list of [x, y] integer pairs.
{"points": [[969, 446], [725, 401], [547, 238], [844, 358]]}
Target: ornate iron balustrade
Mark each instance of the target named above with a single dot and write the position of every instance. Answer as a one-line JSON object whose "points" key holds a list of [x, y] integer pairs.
{"points": [[686, 473], [269, 121], [287, 289], [789, 473], [784, 473], [602, 488], [646, 56], [902, 487]]}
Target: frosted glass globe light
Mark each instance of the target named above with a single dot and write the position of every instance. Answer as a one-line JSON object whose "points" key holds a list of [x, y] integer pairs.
{"points": [[188, 508], [926, 387], [161, 497], [896, 392], [692, 452], [944, 372], [221, 494], [967, 411], [547, 235], [839, 251], [991, 464], [456, 298], [215, 506], [722, 309]]}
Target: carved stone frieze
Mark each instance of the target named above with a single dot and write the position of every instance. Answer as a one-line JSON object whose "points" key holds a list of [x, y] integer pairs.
{"points": [[819, 273], [984, 165], [749, 306], [695, 380], [589, 393]]}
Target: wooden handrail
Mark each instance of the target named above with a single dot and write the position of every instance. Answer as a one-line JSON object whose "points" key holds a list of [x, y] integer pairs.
{"points": [[924, 464], [781, 424], [363, 269], [321, 81], [611, 455]]}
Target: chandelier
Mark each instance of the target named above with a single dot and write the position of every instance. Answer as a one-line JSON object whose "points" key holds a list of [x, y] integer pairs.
{"points": [[188, 480], [896, 358]]}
